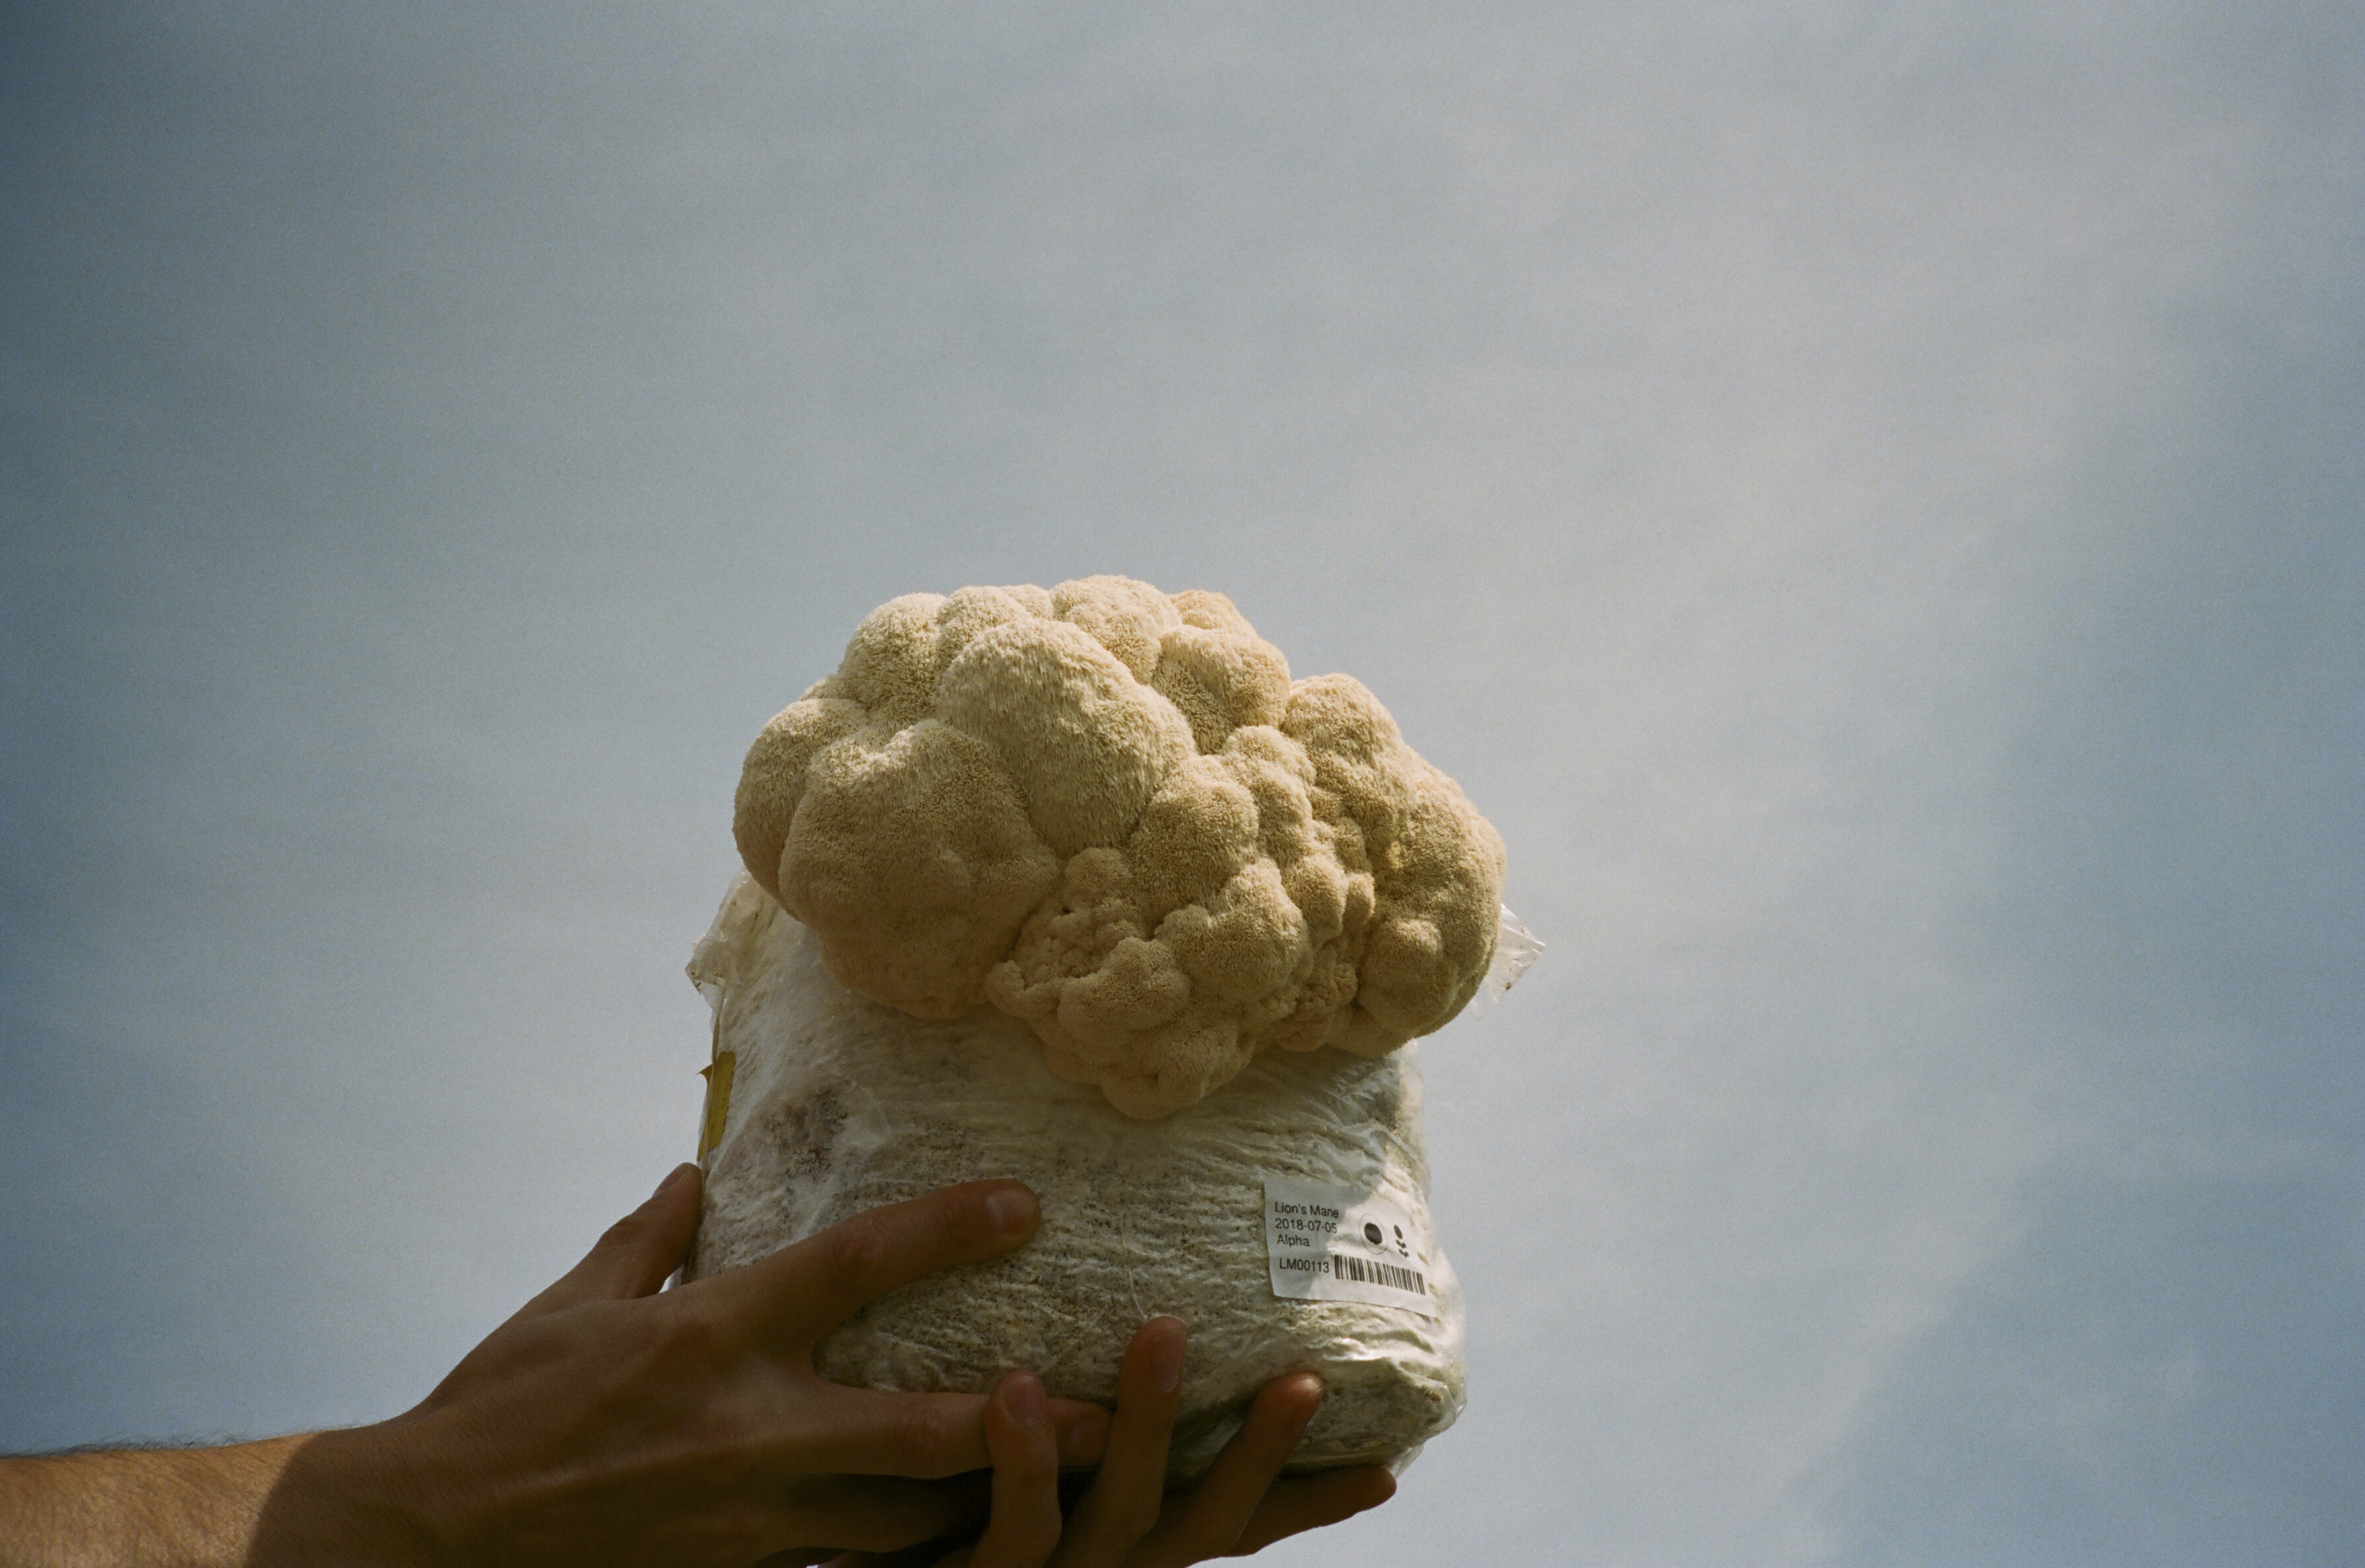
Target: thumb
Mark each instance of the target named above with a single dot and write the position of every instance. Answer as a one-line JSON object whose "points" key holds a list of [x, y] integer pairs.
{"points": [[635, 1255]]}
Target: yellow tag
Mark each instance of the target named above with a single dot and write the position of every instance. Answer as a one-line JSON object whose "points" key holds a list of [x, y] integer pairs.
{"points": [[717, 1074]]}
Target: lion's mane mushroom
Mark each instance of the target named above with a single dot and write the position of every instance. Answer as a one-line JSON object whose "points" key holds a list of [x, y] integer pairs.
{"points": [[1110, 812]]}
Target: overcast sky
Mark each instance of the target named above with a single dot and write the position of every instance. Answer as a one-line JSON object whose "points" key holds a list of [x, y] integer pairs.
{"points": [[1866, 497]]}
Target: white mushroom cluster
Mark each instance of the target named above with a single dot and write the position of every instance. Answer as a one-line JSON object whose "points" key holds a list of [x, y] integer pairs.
{"points": [[1111, 812]]}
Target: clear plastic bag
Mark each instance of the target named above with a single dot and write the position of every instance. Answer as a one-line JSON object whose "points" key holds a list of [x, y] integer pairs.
{"points": [[822, 1102]]}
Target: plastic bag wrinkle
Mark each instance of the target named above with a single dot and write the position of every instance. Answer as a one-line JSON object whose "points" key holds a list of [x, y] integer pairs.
{"points": [[840, 1104]]}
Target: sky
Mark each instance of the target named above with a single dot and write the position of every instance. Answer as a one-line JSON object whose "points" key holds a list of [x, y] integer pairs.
{"points": [[1869, 499]]}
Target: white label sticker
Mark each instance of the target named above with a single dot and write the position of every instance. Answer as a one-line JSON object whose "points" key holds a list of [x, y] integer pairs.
{"points": [[1324, 1243]]}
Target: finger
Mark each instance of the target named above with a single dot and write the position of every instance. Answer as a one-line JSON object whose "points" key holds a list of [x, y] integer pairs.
{"points": [[1211, 1521], [932, 1554], [879, 1514], [636, 1254], [928, 1554], [1123, 1505], [1025, 1525], [1297, 1503], [806, 1290], [866, 1431]]}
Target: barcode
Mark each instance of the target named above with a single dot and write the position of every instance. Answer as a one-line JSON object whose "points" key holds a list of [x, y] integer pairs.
{"points": [[1369, 1273]]}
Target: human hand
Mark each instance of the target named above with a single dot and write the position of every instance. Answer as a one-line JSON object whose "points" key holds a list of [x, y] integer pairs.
{"points": [[1126, 1519], [607, 1423]]}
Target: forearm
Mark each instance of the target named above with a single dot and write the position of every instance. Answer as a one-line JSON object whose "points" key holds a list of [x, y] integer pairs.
{"points": [[138, 1508]]}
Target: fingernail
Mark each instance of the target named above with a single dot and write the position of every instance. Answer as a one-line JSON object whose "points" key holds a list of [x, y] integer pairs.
{"points": [[1310, 1396], [1022, 1395], [1166, 1362], [674, 1178], [1010, 1209]]}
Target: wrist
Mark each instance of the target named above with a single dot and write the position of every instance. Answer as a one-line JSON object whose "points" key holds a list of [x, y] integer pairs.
{"points": [[348, 1498]]}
